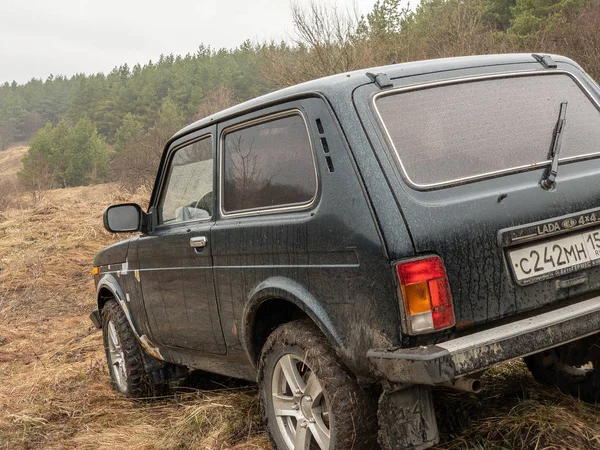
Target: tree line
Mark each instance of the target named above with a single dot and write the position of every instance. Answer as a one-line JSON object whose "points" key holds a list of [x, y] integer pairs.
{"points": [[130, 112]]}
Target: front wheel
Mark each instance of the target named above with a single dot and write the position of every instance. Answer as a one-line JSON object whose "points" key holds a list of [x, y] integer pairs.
{"points": [[309, 399], [574, 368], [123, 354]]}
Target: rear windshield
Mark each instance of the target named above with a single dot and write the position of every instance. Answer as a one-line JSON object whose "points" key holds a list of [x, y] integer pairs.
{"points": [[469, 129]]}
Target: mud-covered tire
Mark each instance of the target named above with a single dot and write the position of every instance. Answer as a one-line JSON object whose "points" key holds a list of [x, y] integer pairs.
{"points": [[341, 407], [574, 368], [124, 354]]}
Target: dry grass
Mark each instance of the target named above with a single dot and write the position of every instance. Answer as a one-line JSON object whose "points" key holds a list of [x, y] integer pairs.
{"points": [[55, 391], [10, 187], [515, 412]]}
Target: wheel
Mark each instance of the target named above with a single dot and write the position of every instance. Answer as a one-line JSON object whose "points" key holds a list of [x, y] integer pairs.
{"points": [[574, 368], [123, 354], [309, 399]]}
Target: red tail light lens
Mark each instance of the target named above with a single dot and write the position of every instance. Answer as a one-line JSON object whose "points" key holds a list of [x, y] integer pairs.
{"points": [[426, 294]]}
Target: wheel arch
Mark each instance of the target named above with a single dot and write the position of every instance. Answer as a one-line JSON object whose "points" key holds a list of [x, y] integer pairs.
{"points": [[108, 289], [105, 295], [276, 301]]}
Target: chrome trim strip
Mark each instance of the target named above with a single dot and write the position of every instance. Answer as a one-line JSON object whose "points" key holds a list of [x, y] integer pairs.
{"points": [[291, 266], [527, 236], [469, 79], [276, 209], [168, 225], [265, 266]]}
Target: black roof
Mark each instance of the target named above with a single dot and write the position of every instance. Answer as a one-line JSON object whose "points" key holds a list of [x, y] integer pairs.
{"points": [[350, 80]]}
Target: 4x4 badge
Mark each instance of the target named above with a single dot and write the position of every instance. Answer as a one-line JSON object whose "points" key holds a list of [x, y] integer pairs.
{"points": [[558, 225]]}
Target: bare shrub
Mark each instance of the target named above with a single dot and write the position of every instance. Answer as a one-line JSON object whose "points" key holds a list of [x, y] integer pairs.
{"points": [[136, 166], [325, 43], [37, 178], [329, 40], [577, 36], [451, 29], [220, 98], [10, 192]]}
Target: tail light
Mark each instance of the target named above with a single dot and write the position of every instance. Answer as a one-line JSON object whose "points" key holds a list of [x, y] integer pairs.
{"points": [[426, 294]]}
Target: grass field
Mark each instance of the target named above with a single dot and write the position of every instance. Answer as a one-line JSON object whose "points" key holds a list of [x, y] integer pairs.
{"points": [[54, 384], [10, 162]]}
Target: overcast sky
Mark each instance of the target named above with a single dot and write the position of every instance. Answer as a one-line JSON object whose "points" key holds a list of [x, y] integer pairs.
{"points": [[43, 37]]}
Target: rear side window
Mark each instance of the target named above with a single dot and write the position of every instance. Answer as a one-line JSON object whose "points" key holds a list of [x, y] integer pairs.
{"points": [[469, 129], [268, 164]]}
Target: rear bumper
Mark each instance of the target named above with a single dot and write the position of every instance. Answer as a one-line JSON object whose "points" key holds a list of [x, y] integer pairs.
{"points": [[444, 362]]}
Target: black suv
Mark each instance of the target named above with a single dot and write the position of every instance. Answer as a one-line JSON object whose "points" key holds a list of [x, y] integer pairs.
{"points": [[352, 241]]}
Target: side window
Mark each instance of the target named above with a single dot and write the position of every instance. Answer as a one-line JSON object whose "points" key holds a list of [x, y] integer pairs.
{"points": [[268, 164], [188, 189]]}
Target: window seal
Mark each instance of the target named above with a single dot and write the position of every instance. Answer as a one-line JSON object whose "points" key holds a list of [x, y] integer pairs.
{"points": [[279, 208], [469, 79]]}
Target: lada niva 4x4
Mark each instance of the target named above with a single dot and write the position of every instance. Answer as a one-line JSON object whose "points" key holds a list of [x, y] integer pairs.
{"points": [[352, 241]]}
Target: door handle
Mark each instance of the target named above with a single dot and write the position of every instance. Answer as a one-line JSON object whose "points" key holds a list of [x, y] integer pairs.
{"points": [[198, 242]]}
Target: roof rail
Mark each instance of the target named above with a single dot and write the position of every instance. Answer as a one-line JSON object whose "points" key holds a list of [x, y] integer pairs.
{"points": [[381, 79], [545, 60]]}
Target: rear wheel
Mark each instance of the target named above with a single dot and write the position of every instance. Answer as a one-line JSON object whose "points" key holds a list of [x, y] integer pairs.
{"points": [[574, 368], [309, 400], [123, 354]]}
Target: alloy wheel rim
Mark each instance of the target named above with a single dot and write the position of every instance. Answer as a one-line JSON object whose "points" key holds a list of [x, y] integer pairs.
{"points": [[117, 358], [300, 405]]}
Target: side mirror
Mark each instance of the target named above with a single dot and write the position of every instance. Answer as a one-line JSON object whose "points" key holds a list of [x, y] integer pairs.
{"points": [[123, 218]]}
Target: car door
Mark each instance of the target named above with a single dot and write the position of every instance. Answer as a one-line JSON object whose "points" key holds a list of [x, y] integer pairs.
{"points": [[174, 259]]}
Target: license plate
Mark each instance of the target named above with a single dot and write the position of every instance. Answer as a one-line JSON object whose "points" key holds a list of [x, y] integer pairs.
{"points": [[556, 257]]}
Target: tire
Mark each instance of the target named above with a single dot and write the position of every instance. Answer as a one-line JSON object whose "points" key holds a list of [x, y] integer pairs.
{"points": [[320, 404], [123, 354], [574, 368]]}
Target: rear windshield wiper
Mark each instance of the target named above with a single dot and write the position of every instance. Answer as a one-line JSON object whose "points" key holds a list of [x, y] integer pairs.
{"points": [[549, 178]]}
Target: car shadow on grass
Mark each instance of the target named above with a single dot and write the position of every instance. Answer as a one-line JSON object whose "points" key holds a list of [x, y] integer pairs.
{"points": [[199, 380], [513, 411]]}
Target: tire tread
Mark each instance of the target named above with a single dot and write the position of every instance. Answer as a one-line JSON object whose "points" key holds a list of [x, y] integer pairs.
{"points": [[353, 407]]}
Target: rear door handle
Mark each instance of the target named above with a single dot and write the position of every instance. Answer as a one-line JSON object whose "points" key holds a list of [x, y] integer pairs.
{"points": [[198, 242]]}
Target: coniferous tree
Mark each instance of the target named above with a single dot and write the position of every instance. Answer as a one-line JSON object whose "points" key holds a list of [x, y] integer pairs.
{"points": [[65, 156]]}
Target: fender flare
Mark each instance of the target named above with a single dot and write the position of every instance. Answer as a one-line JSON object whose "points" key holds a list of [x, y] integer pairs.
{"points": [[291, 291], [110, 283]]}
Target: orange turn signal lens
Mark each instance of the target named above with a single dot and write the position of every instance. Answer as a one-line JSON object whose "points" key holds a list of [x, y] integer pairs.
{"points": [[417, 297], [95, 270]]}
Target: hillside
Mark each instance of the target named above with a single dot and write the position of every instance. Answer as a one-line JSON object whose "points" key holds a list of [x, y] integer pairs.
{"points": [[55, 391], [10, 162]]}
